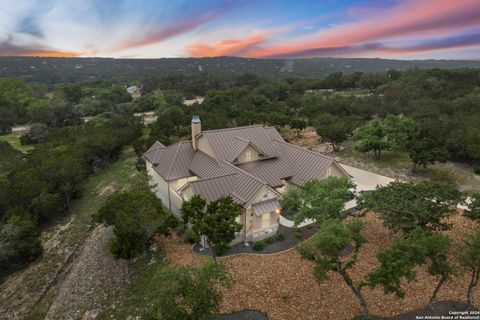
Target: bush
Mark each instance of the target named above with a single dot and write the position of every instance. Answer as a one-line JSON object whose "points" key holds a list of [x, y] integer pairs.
{"points": [[258, 246], [476, 170], [280, 237], [298, 234], [190, 237], [270, 240]]}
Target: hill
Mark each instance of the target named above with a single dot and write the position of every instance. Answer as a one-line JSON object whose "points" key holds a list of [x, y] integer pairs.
{"points": [[58, 70]]}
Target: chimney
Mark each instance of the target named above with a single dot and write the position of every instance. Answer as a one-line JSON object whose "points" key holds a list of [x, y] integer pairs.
{"points": [[196, 129]]}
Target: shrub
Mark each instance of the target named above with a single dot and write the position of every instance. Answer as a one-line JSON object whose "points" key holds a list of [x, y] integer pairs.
{"points": [[258, 246], [476, 170], [280, 237], [270, 240], [189, 236], [298, 234]]}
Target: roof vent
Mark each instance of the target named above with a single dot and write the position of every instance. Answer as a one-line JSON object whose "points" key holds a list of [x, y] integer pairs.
{"points": [[196, 119]]}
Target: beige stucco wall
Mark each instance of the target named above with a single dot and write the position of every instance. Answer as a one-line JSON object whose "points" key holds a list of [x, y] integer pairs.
{"points": [[254, 155], [204, 146], [334, 171], [254, 229]]}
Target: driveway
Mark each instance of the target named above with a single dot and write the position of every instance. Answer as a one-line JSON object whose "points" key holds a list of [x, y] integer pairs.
{"points": [[366, 180]]}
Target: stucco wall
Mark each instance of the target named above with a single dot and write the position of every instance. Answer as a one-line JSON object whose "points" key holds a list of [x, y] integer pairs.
{"points": [[157, 184], [254, 155], [204, 146]]}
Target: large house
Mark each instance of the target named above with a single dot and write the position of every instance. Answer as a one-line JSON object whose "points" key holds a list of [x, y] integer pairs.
{"points": [[254, 165]]}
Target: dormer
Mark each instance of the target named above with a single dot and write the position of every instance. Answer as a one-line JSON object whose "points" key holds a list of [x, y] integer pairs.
{"points": [[245, 151]]}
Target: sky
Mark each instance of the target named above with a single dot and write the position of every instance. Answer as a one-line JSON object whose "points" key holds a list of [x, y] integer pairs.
{"points": [[393, 29]]}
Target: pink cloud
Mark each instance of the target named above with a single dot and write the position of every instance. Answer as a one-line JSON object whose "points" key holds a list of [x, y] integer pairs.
{"points": [[413, 18], [228, 47]]}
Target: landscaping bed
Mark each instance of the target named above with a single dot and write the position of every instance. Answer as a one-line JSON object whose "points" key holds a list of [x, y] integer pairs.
{"points": [[243, 315], [291, 237]]}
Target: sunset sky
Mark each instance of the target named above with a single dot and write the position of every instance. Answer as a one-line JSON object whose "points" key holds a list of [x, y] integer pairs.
{"points": [[410, 29]]}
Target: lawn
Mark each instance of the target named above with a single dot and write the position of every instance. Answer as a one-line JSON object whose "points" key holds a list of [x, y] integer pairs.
{"points": [[32, 290], [14, 140]]}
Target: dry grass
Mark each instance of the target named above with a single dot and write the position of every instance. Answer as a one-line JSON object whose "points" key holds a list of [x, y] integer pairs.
{"points": [[283, 285]]}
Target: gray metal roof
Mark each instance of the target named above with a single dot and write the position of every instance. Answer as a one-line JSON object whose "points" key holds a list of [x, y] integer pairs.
{"points": [[272, 171], [153, 152], [266, 206], [205, 166], [173, 162], [225, 142], [306, 165]]}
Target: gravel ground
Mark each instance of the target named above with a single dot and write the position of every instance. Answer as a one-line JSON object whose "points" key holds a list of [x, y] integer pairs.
{"points": [[243, 315], [283, 285], [94, 276]]}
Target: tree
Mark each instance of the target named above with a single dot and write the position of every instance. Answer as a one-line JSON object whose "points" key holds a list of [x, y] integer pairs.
{"points": [[181, 292], [427, 151], [372, 137], [297, 124], [473, 209], [333, 129], [401, 131], [216, 221], [405, 205], [401, 259], [136, 217], [318, 200], [372, 81], [38, 132], [325, 248], [470, 260], [19, 239]]}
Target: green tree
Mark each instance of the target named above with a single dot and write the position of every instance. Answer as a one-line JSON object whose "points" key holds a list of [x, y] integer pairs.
{"points": [[136, 217], [372, 137], [19, 239], [427, 151], [372, 81], [470, 260], [181, 292], [325, 249], [297, 124], [333, 129], [473, 209], [216, 221], [401, 260], [318, 200], [401, 131], [405, 205], [38, 132]]}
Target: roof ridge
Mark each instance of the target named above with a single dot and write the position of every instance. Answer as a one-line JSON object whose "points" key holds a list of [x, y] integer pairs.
{"points": [[211, 178], [234, 128], [174, 157], [245, 172], [304, 149]]}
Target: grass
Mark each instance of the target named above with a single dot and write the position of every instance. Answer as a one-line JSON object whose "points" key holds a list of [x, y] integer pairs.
{"points": [[69, 231], [14, 140]]}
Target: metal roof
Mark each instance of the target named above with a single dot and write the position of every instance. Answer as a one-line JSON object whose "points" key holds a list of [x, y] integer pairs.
{"points": [[225, 142], [306, 165], [272, 171], [266, 206], [205, 166], [173, 162]]}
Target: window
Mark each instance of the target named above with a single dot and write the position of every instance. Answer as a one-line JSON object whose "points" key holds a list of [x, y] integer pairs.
{"points": [[248, 155], [265, 220]]}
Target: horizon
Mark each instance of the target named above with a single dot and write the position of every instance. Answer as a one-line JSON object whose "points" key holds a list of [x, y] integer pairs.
{"points": [[394, 29]]}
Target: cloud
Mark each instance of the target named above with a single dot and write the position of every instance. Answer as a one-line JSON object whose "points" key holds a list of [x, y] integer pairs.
{"points": [[413, 18], [228, 47], [9, 49], [380, 49]]}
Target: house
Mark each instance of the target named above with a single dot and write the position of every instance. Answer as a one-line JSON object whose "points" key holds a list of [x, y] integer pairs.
{"points": [[254, 165]]}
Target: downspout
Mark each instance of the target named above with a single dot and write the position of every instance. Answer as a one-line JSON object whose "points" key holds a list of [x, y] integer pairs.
{"points": [[169, 201]]}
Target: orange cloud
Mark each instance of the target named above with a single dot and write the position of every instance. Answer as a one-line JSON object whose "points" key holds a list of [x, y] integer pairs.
{"points": [[228, 47], [56, 54], [416, 17]]}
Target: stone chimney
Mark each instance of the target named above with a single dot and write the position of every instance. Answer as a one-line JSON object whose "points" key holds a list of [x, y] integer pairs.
{"points": [[196, 129]]}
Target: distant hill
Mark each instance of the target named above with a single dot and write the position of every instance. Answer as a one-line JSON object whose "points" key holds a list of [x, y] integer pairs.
{"points": [[56, 70]]}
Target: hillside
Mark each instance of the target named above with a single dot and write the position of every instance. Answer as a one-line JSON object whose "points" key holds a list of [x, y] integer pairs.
{"points": [[57, 70]]}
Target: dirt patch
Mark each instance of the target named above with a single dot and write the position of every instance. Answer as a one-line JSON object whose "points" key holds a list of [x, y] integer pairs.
{"points": [[284, 287], [94, 276]]}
